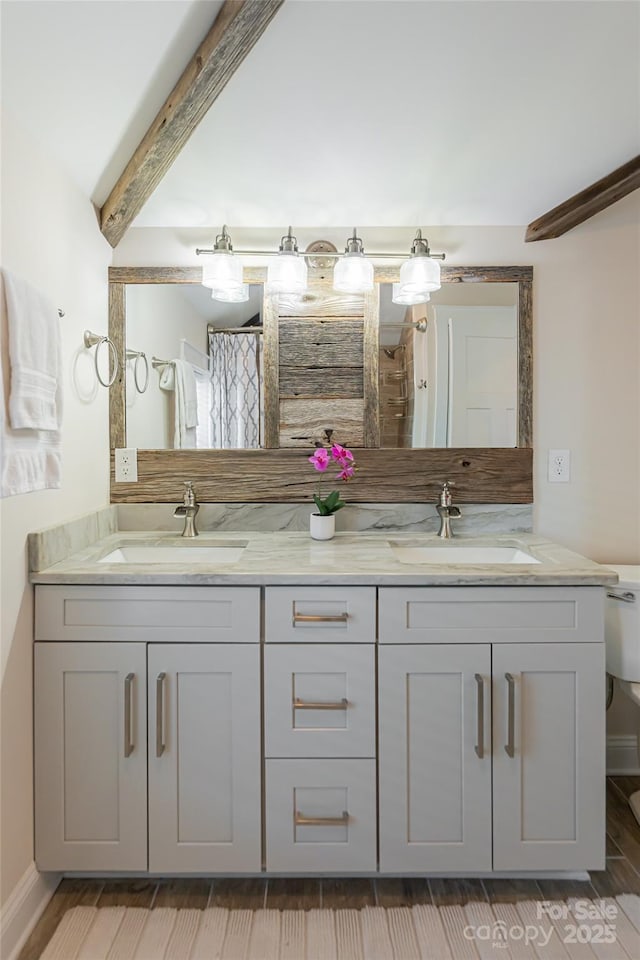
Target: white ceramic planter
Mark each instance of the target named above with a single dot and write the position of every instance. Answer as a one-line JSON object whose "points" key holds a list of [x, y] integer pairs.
{"points": [[322, 528]]}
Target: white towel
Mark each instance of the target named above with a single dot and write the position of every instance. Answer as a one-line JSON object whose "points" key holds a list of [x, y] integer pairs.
{"points": [[186, 388], [35, 398], [30, 459], [179, 377], [419, 427]]}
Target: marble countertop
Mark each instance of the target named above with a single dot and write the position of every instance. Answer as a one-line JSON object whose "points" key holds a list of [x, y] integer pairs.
{"points": [[356, 558]]}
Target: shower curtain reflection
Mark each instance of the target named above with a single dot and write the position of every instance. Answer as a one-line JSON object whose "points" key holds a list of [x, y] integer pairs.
{"points": [[235, 390]]}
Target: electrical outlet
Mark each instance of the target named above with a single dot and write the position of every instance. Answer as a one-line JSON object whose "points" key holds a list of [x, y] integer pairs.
{"points": [[559, 466], [126, 464]]}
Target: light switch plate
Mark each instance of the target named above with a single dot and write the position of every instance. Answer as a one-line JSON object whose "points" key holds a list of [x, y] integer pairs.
{"points": [[126, 464]]}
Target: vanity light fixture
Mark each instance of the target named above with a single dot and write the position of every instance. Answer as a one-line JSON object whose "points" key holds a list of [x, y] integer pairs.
{"points": [[223, 272], [420, 274], [353, 273], [288, 272]]}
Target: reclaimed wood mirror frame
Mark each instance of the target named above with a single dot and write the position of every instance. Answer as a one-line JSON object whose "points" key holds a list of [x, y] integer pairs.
{"points": [[280, 475]]}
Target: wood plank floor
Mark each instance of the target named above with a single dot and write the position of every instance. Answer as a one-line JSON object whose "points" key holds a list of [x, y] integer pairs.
{"points": [[622, 875]]}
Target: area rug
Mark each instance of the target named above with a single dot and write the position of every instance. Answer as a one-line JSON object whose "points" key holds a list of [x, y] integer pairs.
{"points": [[607, 929]]}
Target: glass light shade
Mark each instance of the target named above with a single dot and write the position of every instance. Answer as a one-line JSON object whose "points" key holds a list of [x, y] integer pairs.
{"points": [[231, 294], [222, 270], [287, 273], [353, 274], [420, 275], [401, 296]]}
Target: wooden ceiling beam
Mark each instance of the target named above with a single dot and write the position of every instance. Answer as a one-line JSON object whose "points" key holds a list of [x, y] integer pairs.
{"points": [[238, 26], [585, 204]]}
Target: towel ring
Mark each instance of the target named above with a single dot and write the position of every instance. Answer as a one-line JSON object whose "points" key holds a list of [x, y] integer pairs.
{"points": [[139, 355], [95, 340]]}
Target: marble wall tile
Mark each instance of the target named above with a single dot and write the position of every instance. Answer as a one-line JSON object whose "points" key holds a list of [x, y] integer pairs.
{"points": [[54, 544], [419, 517]]}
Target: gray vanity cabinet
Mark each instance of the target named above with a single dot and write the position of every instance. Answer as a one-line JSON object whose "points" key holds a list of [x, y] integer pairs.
{"points": [[399, 730], [492, 729], [147, 752]]}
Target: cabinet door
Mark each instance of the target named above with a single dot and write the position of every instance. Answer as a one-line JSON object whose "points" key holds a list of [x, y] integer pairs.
{"points": [[435, 760], [204, 758], [90, 756], [549, 756]]}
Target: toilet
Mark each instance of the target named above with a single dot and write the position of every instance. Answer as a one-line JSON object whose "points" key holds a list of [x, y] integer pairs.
{"points": [[622, 635]]}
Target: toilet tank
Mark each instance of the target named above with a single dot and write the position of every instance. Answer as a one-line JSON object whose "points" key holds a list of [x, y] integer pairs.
{"points": [[622, 624]]}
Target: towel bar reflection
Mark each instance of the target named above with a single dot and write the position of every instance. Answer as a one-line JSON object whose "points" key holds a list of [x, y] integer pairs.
{"points": [[137, 356], [156, 363], [96, 340]]}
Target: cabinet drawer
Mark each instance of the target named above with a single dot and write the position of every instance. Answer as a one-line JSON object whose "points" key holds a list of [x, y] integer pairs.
{"points": [[171, 614], [321, 815], [319, 700], [320, 614], [490, 614]]}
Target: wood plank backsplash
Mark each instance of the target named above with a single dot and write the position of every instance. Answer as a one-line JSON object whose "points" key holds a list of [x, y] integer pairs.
{"points": [[282, 476]]}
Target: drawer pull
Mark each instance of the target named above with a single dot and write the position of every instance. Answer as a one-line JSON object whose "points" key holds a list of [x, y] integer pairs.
{"points": [[128, 696], [511, 715], [160, 743], [480, 717], [317, 618], [320, 704], [302, 821]]}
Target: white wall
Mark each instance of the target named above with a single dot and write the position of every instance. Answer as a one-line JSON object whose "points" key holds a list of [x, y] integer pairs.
{"points": [[50, 237], [586, 354]]}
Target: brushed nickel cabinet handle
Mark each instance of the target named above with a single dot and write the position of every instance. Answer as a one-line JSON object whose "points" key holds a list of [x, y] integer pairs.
{"points": [[317, 618], [160, 744], [129, 745], [511, 715], [320, 704], [480, 716], [302, 821]]}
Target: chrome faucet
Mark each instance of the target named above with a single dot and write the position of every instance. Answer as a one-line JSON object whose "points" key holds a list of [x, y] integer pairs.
{"points": [[188, 509], [446, 511]]}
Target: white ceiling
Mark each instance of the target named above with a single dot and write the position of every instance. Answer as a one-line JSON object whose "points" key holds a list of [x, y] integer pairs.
{"points": [[371, 112], [87, 77]]}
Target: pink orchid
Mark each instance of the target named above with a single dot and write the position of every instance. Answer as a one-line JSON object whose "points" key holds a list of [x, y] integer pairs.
{"points": [[341, 454], [320, 459], [337, 457], [346, 472]]}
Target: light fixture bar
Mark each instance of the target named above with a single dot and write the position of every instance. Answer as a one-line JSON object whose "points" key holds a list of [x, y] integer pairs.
{"points": [[203, 251]]}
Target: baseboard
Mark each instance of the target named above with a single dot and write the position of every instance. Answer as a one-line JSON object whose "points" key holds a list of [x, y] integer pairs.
{"points": [[622, 755], [24, 908]]}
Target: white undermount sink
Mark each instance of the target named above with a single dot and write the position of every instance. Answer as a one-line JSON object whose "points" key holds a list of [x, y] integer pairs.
{"points": [[451, 553], [175, 553]]}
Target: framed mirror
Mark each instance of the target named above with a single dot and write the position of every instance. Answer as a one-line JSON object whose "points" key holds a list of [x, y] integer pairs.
{"points": [[444, 387]]}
